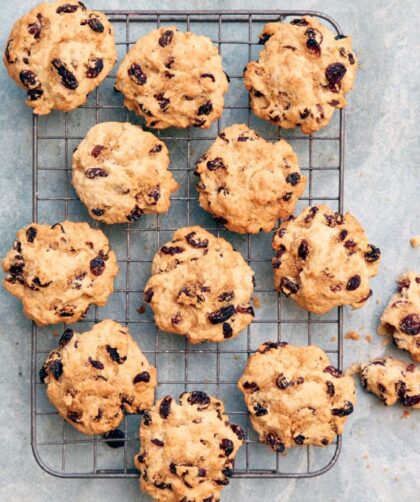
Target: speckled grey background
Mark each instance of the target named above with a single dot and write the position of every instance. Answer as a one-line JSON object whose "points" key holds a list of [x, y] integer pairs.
{"points": [[381, 451]]}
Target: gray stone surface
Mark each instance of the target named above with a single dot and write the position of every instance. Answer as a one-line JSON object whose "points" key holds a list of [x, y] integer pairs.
{"points": [[381, 451]]}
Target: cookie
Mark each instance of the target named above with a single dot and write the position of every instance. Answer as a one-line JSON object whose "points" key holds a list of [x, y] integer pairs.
{"points": [[94, 377], [121, 172], [302, 75], [248, 182], [323, 260], [392, 381], [401, 318], [58, 271], [200, 287], [173, 79], [59, 52], [187, 449], [295, 397]]}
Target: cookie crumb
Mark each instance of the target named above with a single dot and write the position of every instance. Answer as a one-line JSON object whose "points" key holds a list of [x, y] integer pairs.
{"points": [[353, 369], [378, 300], [385, 342], [415, 241], [352, 335], [368, 338], [256, 302], [55, 333], [405, 414], [141, 309], [333, 339], [366, 455]]}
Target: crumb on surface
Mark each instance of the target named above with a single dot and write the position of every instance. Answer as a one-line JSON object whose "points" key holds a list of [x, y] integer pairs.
{"points": [[141, 309], [368, 338], [353, 369], [378, 300], [256, 301], [55, 333], [352, 335], [366, 455], [405, 414], [415, 241], [333, 338], [386, 341]]}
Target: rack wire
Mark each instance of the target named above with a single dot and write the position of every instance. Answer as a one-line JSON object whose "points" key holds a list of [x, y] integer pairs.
{"points": [[215, 368]]}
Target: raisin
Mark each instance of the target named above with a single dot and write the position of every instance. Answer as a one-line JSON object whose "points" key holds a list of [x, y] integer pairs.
{"points": [[56, 368], [147, 418], [288, 286], [299, 439], [343, 234], [66, 337], [163, 102], [299, 22], [99, 415], [303, 250], [220, 220], [293, 179], [199, 398], [67, 77], [222, 482], [165, 407], [267, 346], [17, 246], [141, 457], [373, 254], [31, 234], [136, 73], [154, 195], [403, 284], [353, 283], [227, 330], [166, 38], [28, 78], [196, 243], [330, 388], [217, 163], [226, 296], [350, 245], [227, 446], [43, 373], [312, 33], [333, 102], [410, 324], [169, 63], [335, 73], [96, 68], [113, 437], [36, 284], [34, 94], [156, 149], [97, 265], [251, 386], [208, 75], [245, 310], [342, 412], [96, 364], [205, 109], [114, 355], [176, 319], [74, 416], [58, 225], [36, 28], [260, 410], [276, 261], [287, 196], [67, 8], [157, 442], [222, 315], [313, 46], [305, 114], [274, 442], [258, 94], [351, 58], [94, 24], [171, 250], [311, 214], [263, 38], [333, 371], [148, 295], [135, 214], [238, 431]]}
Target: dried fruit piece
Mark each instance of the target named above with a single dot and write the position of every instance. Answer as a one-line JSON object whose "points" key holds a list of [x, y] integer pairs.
{"points": [[97, 265], [205, 109], [144, 376], [67, 8], [335, 73], [31, 234], [28, 78], [95, 67], [293, 178], [196, 242], [303, 249], [410, 324], [114, 438], [344, 411], [274, 442], [136, 74], [353, 283], [222, 315], [67, 77], [373, 254], [165, 407], [166, 38], [217, 163], [199, 398]]}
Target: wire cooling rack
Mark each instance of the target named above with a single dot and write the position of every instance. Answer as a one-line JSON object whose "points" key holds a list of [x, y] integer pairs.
{"points": [[215, 368]]}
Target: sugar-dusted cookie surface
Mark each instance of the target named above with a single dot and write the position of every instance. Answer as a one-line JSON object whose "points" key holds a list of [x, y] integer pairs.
{"points": [[173, 79], [302, 75], [59, 52]]}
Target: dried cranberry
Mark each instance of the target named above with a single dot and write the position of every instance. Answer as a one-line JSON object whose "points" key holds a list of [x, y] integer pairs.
{"points": [[411, 368], [114, 355], [313, 46], [299, 439], [67, 77], [148, 295], [251, 386], [227, 446], [95, 69], [205, 109], [410, 324], [353, 283], [66, 337], [260, 410], [227, 330], [373, 254], [333, 371], [238, 431], [163, 102], [156, 149], [34, 94], [96, 364], [196, 243], [56, 368], [342, 412], [217, 163], [136, 73], [165, 407], [330, 388], [144, 376], [343, 234], [94, 24], [199, 398], [97, 265], [135, 214], [113, 437], [166, 38], [222, 315], [220, 220], [31, 234], [171, 250], [245, 309], [274, 442], [299, 22], [288, 286], [226, 296], [351, 246], [335, 73], [74, 416], [303, 249], [28, 78]]}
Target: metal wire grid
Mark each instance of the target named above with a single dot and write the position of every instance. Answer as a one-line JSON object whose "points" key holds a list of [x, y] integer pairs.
{"points": [[57, 447]]}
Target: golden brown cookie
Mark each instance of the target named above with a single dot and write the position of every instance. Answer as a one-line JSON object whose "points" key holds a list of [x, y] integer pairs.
{"points": [[187, 449], [401, 318], [323, 260], [58, 271], [94, 377], [247, 182], [121, 172], [173, 79], [392, 381], [200, 287], [59, 52], [302, 74], [295, 397]]}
